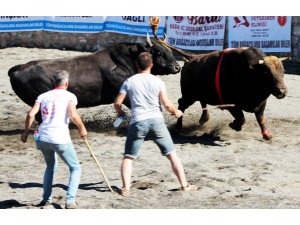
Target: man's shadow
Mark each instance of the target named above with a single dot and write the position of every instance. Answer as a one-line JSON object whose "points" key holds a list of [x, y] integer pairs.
{"points": [[12, 203]]}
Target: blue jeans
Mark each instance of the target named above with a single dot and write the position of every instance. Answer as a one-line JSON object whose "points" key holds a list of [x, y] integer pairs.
{"points": [[68, 155], [138, 131]]}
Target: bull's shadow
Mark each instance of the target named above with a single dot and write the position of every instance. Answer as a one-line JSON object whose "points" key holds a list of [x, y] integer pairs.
{"points": [[205, 139], [211, 137]]}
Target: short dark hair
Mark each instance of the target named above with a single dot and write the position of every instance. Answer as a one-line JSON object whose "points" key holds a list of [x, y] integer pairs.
{"points": [[144, 60], [60, 76]]}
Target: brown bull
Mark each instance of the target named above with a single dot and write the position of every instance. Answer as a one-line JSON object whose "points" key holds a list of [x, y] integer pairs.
{"points": [[243, 77]]}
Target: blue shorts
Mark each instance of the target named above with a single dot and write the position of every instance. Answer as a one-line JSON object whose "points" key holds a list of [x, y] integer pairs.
{"points": [[138, 131]]}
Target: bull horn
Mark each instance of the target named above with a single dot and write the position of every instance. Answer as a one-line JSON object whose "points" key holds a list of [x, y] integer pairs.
{"points": [[165, 38], [261, 61], [154, 26], [149, 40], [284, 58]]}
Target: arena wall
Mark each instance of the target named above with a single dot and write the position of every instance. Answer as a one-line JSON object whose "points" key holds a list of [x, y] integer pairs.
{"points": [[91, 42]]}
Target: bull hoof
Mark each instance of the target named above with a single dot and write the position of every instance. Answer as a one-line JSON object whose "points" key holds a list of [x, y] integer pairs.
{"points": [[203, 120], [235, 126], [179, 126], [266, 135]]}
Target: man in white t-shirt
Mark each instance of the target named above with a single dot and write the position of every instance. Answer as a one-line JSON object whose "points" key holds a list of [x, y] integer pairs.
{"points": [[57, 107], [146, 93]]}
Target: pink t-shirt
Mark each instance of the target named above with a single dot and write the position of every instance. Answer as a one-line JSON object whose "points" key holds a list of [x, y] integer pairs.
{"points": [[54, 109]]}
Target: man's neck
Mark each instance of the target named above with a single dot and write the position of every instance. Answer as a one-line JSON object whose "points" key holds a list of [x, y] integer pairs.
{"points": [[147, 71], [61, 87]]}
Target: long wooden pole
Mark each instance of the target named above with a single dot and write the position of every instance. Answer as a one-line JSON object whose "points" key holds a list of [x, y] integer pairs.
{"points": [[98, 164]]}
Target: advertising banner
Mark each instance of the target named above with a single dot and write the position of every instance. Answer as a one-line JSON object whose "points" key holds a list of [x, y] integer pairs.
{"points": [[21, 23], [196, 32], [136, 25], [78, 24], [269, 33]]}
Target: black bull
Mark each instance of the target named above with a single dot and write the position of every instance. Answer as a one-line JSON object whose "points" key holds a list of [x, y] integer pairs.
{"points": [[94, 78], [241, 77]]}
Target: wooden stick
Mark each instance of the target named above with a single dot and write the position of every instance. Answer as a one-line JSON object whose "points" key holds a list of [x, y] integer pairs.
{"points": [[220, 106], [98, 164]]}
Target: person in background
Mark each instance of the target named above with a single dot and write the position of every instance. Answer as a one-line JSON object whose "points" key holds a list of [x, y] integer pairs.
{"points": [[146, 93], [57, 107]]}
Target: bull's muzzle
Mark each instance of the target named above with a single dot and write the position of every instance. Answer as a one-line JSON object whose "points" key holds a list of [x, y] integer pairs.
{"points": [[177, 69], [280, 93]]}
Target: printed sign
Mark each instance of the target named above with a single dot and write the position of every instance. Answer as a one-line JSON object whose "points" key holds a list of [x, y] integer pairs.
{"points": [[269, 33], [21, 23], [196, 32], [136, 25], [83, 24]]}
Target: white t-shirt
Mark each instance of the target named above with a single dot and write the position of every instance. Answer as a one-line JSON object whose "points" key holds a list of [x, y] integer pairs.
{"points": [[54, 109], [143, 91]]}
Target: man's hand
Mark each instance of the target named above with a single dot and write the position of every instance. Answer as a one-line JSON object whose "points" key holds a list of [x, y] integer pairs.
{"points": [[24, 136], [120, 113], [178, 113], [83, 132]]}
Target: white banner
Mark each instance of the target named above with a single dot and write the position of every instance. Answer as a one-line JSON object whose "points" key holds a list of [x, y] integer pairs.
{"points": [[78, 24], [21, 23], [136, 25], [196, 32], [269, 33]]}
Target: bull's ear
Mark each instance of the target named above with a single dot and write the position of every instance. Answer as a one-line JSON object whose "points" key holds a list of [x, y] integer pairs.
{"points": [[141, 48], [255, 62]]}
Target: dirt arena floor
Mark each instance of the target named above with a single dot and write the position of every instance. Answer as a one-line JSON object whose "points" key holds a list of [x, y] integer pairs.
{"points": [[235, 170]]}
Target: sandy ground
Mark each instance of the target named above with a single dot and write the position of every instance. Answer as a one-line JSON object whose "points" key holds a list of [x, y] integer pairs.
{"points": [[231, 169]]}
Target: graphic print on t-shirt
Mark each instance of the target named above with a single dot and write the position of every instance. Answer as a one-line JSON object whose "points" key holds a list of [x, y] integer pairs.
{"points": [[48, 111]]}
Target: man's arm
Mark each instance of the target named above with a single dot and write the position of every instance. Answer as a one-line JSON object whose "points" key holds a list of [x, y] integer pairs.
{"points": [[118, 103], [169, 106], [74, 116], [29, 120]]}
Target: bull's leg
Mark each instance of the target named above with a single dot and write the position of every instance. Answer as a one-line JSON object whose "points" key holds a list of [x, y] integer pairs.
{"points": [[262, 122], [183, 104], [205, 114], [239, 118]]}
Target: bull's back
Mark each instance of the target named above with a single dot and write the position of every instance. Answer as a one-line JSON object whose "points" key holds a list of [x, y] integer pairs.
{"points": [[198, 78], [34, 78], [28, 81]]}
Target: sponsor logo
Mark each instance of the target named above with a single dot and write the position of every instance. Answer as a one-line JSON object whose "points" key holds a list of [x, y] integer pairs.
{"points": [[178, 19], [240, 21], [281, 20]]}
